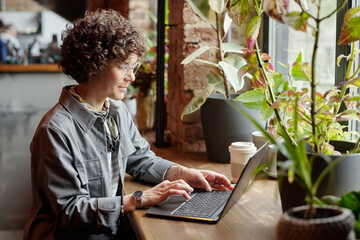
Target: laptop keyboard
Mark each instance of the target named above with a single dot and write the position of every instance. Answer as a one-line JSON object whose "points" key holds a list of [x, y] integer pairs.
{"points": [[203, 204]]}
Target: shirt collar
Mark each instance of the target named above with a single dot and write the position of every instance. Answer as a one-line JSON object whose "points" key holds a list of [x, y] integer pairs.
{"points": [[85, 118]]}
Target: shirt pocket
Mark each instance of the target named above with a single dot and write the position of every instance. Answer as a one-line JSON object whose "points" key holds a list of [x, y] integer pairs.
{"points": [[126, 147], [90, 174]]}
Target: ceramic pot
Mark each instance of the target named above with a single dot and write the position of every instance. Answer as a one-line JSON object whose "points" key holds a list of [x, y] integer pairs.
{"points": [[327, 224], [222, 125], [343, 178]]}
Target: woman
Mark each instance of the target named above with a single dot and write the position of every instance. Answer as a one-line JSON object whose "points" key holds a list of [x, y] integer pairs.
{"points": [[86, 142]]}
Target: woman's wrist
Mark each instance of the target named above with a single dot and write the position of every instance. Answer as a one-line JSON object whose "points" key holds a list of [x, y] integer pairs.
{"points": [[129, 203], [175, 172]]}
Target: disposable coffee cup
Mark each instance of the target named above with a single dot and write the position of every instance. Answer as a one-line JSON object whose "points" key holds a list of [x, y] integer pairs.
{"points": [[240, 153], [272, 156], [259, 140]]}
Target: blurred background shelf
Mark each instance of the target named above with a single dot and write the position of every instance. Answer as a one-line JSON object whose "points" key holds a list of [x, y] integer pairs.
{"points": [[29, 68]]}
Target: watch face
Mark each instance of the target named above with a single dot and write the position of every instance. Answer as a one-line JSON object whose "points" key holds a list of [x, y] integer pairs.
{"points": [[137, 194]]}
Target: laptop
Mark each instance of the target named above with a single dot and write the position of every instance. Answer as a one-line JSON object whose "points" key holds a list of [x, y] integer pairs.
{"points": [[211, 206]]}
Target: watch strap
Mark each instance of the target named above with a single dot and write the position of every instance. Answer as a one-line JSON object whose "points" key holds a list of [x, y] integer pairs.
{"points": [[138, 199]]}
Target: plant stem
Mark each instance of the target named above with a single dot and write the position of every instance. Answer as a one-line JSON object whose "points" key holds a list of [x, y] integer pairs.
{"points": [[313, 81], [218, 31], [272, 95], [356, 146], [310, 211], [340, 6]]}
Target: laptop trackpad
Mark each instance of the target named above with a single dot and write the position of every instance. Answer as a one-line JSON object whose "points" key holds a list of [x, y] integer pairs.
{"points": [[169, 205]]}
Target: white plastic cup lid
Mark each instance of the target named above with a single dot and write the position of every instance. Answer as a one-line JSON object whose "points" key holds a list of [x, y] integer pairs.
{"points": [[248, 146]]}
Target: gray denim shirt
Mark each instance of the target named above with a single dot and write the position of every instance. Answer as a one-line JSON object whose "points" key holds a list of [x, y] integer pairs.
{"points": [[71, 182]]}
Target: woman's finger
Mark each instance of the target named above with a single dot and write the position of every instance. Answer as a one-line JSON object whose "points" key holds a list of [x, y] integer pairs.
{"points": [[223, 181], [179, 192]]}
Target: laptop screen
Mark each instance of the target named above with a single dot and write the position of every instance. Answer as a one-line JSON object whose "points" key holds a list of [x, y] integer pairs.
{"points": [[246, 176]]}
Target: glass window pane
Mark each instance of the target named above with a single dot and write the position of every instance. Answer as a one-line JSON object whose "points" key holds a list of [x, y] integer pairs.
{"points": [[286, 43]]}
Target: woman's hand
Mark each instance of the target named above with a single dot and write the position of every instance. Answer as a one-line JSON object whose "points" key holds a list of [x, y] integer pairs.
{"points": [[206, 179], [209, 180], [164, 190]]}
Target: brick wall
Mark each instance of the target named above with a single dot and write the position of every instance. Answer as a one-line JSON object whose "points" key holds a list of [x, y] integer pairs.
{"points": [[184, 37], [120, 6], [139, 14], [187, 33]]}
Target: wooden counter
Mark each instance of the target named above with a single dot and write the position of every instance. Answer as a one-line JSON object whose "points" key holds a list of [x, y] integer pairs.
{"points": [[254, 217], [14, 68]]}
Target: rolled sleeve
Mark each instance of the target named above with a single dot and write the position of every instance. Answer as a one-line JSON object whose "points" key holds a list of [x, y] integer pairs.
{"points": [[143, 164]]}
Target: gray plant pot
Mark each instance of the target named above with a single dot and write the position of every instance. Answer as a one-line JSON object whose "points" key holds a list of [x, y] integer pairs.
{"points": [[345, 177], [327, 224], [222, 125]]}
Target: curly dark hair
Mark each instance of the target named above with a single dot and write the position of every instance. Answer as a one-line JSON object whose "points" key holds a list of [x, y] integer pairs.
{"points": [[101, 38]]}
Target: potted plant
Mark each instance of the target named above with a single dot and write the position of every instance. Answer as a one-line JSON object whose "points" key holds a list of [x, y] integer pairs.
{"points": [[320, 115], [221, 124], [304, 115], [309, 221], [145, 96]]}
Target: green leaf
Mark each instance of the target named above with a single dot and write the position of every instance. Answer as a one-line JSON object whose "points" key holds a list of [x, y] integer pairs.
{"points": [[197, 101], [266, 112], [299, 58], [206, 62], [252, 31], [255, 95], [227, 23], [231, 75], [350, 114], [217, 6], [232, 47], [195, 54], [235, 60], [350, 201], [350, 31], [214, 78], [257, 106], [238, 10], [357, 229], [217, 81], [203, 10], [279, 85], [296, 20], [354, 82], [220, 88], [332, 200], [298, 71], [354, 98]]}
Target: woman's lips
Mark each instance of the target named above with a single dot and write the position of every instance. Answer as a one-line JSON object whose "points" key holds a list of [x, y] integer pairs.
{"points": [[123, 88]]}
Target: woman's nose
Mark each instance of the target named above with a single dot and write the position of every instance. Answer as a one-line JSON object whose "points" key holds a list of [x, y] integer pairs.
{"points": [[130, 76]]}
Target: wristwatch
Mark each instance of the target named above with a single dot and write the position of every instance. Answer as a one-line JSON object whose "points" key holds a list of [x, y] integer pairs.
{"points": [[138, 198]]}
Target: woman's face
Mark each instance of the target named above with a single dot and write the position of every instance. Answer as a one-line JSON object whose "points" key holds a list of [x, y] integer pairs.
{"points": [[115, 79]]}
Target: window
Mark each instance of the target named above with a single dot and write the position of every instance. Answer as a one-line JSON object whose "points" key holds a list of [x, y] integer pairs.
{"points": [[285, 43]]}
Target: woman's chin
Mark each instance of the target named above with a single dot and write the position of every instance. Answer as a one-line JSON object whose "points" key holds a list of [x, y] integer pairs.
{"points": [[118, 97]]}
